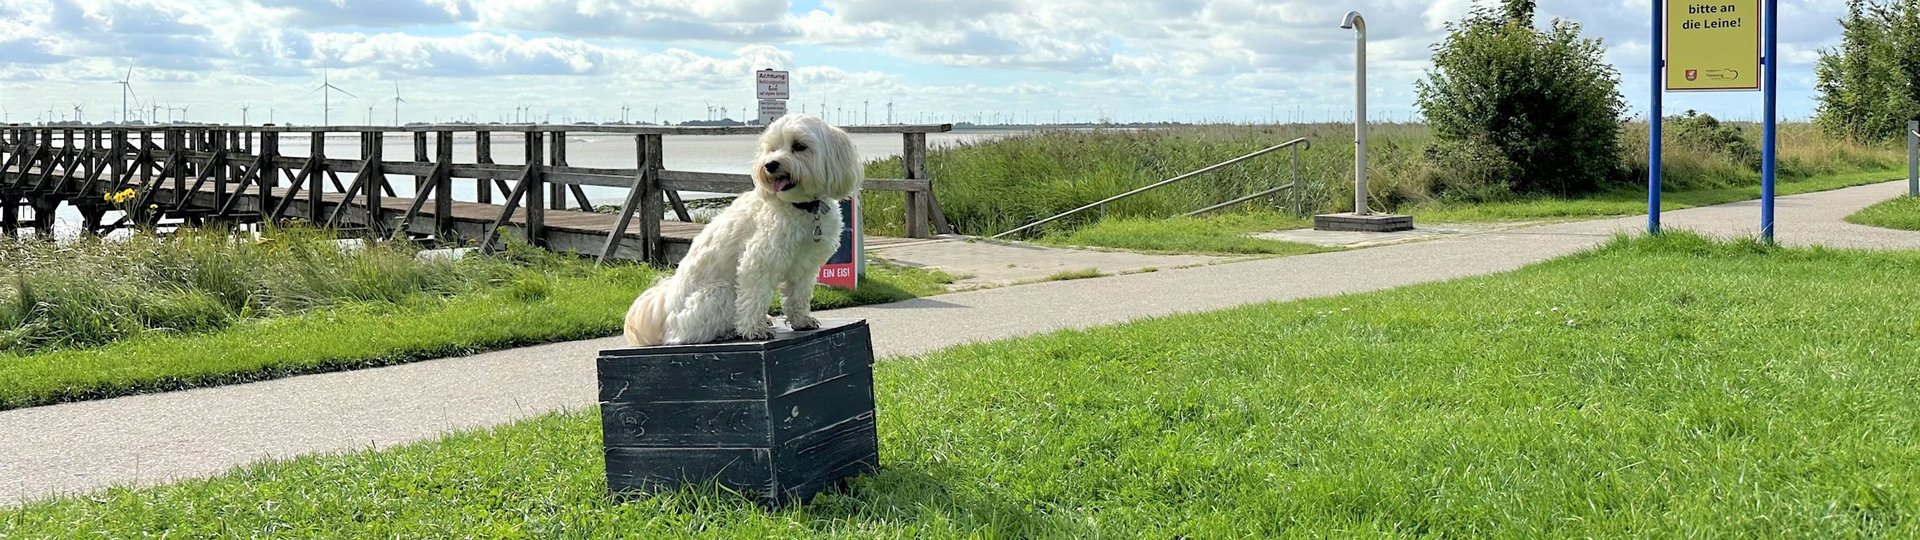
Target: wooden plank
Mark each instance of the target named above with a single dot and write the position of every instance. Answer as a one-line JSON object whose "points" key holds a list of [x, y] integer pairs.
{"points": [[214, 163], [293, 192], [643, 470], [619, 231], [705, 181], [687, 424], [419, 200], [679, 206], [650, 378], [506, 210]]}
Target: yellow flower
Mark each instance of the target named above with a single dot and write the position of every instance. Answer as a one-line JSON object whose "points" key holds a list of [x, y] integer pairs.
{"points": [[108, 197]]}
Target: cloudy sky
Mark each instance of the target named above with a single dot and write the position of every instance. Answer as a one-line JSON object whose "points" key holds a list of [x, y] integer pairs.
{"points": [[936, 60]]}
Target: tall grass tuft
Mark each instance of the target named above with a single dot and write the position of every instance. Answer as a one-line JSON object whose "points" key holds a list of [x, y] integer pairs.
{"points": [[993, 186], [91, 291]]}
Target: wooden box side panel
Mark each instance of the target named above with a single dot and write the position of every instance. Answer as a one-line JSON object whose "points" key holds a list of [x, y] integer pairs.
{"points": [[682, 377], [648, 469], [794, 368], [709, 424]]}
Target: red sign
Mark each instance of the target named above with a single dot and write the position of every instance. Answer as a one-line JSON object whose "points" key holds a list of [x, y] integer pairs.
{"points": [[1693, 74], [843, 270]]}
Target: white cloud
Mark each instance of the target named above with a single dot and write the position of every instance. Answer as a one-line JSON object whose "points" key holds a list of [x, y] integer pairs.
{"points": [[1155, 58]]}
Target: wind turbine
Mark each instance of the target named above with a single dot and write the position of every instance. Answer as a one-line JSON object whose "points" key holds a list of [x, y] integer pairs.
{"points": [[709, 110], [183, 112], [155, 115], [397, 100], [370, 113], [326, 89], [623, 112], [79, 111], [243, 113], [126, 90]]}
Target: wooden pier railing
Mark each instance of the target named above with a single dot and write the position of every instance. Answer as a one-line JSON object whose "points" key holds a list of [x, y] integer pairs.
{"points": [[238, 175]]}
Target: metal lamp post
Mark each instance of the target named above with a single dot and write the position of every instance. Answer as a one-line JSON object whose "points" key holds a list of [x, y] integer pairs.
{"points": [[1358, 25], [1362, 219]]}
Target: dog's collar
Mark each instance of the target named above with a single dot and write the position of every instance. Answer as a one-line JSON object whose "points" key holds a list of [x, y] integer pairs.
{"points": [[814, 207]]}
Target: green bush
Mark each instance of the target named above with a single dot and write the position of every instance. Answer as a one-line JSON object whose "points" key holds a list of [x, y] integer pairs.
{"points": [[1706, 133], [1470, 170], [1546, 99], [1870, 86]]}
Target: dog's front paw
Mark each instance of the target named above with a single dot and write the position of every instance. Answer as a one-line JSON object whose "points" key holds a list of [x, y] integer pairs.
{"points": [[755, 331], [802, 322]]}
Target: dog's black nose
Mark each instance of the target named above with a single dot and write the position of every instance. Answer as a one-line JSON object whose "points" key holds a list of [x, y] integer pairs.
{"points": [[773, 166]]}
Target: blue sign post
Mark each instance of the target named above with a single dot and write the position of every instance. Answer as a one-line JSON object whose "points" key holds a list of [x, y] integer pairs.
{"points": [[1710, 46]]}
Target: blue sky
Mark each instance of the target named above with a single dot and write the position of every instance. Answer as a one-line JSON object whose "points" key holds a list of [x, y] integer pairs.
{"points": [[1128, 60]]}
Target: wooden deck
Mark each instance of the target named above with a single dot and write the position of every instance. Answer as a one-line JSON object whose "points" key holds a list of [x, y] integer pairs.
{"points": [[214, 176]]}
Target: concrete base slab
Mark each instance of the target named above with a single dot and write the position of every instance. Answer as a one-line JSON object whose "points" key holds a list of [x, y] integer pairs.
{"points": [[1363, 223]]}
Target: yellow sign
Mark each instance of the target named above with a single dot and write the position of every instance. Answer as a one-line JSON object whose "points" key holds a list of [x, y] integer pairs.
{"points": [[1713, 45]]}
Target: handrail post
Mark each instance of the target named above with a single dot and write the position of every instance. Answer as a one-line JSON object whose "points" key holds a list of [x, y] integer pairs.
{"points": [[376, 183], [652, 205], [536, 205], [913, 160], [266, 169], [420, 155], [558, 158], [443, 187], [317, 155], [483, 154]]}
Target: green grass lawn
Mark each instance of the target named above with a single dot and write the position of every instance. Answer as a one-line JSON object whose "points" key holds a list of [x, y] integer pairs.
{"points": [[573, 302], [1631, 202], [1655, 388], [1901, 213]]}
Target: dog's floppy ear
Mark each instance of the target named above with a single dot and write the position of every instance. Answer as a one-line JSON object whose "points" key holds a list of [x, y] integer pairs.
{"points": [[844, 171]]}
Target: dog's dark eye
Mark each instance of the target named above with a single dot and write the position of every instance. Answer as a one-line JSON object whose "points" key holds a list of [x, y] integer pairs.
{"points": [[799, 147]]}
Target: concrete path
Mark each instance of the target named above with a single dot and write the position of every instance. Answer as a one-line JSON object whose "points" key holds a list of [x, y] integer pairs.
{"points": [[141, 440], [980, 264]]}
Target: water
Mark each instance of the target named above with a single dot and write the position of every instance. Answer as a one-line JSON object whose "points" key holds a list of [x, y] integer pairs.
{"points": [[715, 153]]}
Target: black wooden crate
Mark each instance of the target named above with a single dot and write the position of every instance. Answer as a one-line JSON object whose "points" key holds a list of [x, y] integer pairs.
{"points": [[779, 419]]}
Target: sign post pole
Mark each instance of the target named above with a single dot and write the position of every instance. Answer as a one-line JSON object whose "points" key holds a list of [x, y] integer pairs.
{"points": [[1772, 61], [1654, 118]]}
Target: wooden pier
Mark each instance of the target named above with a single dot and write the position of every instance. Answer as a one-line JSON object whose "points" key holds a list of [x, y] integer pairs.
{"points": [[233, 176]]}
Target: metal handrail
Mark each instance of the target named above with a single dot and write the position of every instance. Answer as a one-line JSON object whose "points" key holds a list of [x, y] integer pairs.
{"points": [[1303, 142]]}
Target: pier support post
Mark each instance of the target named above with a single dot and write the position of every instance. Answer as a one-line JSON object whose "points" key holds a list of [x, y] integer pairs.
{"points": [[483, 154], [536, 206]]}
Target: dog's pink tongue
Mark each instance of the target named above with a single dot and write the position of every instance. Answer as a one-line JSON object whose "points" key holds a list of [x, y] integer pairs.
{"points": [[780, 185]]}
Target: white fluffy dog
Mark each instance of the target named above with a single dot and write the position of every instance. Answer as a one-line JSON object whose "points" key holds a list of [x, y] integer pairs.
{"points": [[776, 235]]}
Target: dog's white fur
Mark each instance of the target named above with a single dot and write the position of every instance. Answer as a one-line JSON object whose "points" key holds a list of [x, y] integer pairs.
{"points": [[725, 284]]}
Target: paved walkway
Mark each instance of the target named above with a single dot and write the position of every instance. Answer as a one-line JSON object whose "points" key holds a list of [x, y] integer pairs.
{"points": [[981, 264], [150, 439]]}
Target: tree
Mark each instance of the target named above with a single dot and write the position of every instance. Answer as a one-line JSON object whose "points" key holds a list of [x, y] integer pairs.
{"points": [[1545, 100], [1870, 86]]}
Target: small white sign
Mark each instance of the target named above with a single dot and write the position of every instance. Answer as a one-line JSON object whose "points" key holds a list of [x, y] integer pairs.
{"points": [[772, 109], [770, 84]]}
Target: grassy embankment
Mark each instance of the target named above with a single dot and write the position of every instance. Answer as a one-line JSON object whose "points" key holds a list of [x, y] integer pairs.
{"points": [[97, 319], [1667, 387], [990, 187], [1901, 213]]}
